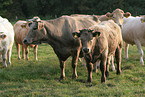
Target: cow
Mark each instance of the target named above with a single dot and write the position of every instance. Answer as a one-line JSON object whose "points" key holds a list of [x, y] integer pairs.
{"points": [[21, 29], [58, 33], [6, 40], [133, 33], [99, 42], [117, 16]]}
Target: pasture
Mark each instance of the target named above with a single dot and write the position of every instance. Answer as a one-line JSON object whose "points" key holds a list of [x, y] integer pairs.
{"points": [[41, 78]]}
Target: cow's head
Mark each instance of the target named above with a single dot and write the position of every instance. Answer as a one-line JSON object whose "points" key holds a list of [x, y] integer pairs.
{"points": [[36, 33], [87, 37], [2, 35], [117, 16]]}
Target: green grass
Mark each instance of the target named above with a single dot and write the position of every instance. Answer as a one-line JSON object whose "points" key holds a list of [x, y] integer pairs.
{"points": [[41, 78]]}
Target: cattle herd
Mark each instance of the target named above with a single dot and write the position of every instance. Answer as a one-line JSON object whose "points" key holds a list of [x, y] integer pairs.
{"points": [[98, 39]]}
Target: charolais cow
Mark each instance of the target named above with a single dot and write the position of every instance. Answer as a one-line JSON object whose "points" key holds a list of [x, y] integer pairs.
{"points": [[99, 42], [133, 33], [21, 29], [117, 16], [58, 33], [6, 40]]}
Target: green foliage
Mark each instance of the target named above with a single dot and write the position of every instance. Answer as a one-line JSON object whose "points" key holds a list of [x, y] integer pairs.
{"points": [[41, 78], [55, 8]]}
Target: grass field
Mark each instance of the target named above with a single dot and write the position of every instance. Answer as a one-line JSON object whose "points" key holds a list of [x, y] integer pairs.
{"points": [[40, 78]]}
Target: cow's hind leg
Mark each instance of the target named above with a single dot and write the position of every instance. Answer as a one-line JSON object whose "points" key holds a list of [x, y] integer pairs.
{"points": [[18, 49], [118, 59], [141, 53], [27, 52], [23, 52]]}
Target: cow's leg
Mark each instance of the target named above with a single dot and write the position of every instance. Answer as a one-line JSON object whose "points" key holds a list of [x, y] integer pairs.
{"points": [[9, 53], [97, 65], [1, 59], [18, 49], [107, 66], [141, 53], [27, 52], [126, 46], [75, 57], [90, 69], [23, 52], [62, 69], [35, 51], [112, 63], [4, 55], [103, 68], [118, 59]]}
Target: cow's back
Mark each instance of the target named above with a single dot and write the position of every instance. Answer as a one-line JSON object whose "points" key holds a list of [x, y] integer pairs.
{"points": [[20, 32], [133, 30], [110, 35], [63, 27]]}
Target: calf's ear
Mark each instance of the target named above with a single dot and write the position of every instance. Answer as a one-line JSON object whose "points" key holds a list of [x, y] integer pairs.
{"points": [[96, 34], [127, 14], [76, 35]]}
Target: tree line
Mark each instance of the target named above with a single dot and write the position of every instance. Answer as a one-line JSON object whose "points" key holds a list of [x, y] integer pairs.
{"points": [[23, 9]]}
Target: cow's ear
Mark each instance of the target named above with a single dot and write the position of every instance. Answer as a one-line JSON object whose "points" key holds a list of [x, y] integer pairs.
{"points": [[142, 20], [3, 36], [76, 35], [40, 25], [127, 14], [24, 25], [96, 34], [109, 15], [29, 24]]}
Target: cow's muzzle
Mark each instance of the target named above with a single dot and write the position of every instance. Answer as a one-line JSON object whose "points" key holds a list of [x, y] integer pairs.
{"points": [[85, 50], [25, 41]]}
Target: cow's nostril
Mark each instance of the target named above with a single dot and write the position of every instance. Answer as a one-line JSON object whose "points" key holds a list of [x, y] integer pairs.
{"points": [[85, 50], [25, 41]]}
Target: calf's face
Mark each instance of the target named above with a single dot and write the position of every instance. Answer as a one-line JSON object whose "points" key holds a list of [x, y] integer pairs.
{"points": [[87, 38]]}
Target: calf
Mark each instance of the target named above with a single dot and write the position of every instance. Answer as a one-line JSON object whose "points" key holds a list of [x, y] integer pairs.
{"points": [[6, 40], [99, 42], [21, 29]]}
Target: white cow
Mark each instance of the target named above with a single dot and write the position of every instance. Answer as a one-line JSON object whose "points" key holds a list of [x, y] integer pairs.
{"points": [[6, 42], [133, 32]]}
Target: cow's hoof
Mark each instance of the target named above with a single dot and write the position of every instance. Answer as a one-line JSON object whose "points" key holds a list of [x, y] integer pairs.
{"points": [[103, 80], [61, 78], [118, 72], [19, 58], [107, 74], [74, 76]]}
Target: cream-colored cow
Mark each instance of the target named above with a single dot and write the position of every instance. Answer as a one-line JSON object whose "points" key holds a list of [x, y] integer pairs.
{"points": [[6, 40]]}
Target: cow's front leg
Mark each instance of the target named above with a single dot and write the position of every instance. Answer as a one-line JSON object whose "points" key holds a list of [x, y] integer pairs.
{"points": [[35, 52], [62, 69], [103, 68], [90, 69], [4, 55]]}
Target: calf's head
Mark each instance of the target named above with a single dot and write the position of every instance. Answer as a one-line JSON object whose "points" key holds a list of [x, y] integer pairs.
{"points": [[87, 37], [117, 16], [36, 33]]}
